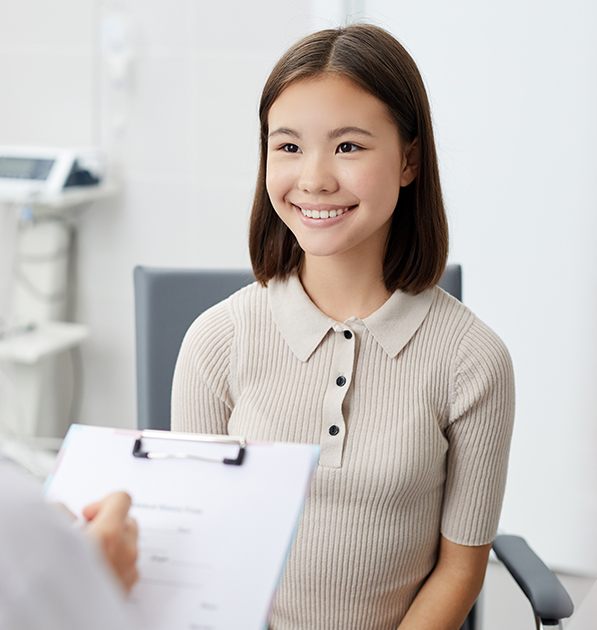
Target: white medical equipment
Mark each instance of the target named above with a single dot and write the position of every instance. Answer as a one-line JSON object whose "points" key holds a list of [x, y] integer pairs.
{"points": [[50, 177], [45, 185]]}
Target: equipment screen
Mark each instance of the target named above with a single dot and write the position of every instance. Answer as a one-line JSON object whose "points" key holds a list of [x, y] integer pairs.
{"points": [[25, 168]]}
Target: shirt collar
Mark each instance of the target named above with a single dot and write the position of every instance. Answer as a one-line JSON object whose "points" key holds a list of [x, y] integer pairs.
{"points": [[303, 326]]}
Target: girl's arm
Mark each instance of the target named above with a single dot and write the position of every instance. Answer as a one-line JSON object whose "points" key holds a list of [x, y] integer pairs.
{"points": [[201, 400], [478, 433], [451, 589]]}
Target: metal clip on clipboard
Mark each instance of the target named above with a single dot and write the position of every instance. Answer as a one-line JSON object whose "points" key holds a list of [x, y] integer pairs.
{"points": [[185, 437]]}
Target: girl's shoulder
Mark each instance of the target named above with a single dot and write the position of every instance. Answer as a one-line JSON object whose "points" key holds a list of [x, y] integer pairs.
{"points": [[215, 326], [451, 313], [209, 340], [474, 342]]}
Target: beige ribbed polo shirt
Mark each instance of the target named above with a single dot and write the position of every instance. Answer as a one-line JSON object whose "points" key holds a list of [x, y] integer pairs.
{"points": [[412, 408]]}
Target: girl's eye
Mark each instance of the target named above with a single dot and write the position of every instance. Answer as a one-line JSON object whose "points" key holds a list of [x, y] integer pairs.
{"points": [[290, 148], [347, 147]]}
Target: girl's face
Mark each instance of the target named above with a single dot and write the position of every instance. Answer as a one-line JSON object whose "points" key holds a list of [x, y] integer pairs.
{"points": [[335, 165]]}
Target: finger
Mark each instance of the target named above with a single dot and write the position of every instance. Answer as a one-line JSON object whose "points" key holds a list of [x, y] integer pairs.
{"points": [[131, 528], [130, 578], [90, 511], [113, 509], [129, 552]]}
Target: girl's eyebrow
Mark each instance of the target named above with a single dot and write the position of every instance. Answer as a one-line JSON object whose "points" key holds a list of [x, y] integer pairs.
{"points": [[335, 133], [285, 132], [342, 131]]}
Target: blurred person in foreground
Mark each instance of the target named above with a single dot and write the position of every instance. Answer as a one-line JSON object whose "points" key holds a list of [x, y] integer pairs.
{"points": [[56, 576]]}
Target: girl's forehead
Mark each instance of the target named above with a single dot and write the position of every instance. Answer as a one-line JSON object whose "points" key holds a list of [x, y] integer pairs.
{"points": [[324, 98]]}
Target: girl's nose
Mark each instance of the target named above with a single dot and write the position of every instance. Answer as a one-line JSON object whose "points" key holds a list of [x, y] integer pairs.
{"points": [[316, 176]]}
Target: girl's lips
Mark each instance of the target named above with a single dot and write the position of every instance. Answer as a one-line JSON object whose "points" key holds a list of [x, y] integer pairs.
{"points": [[323, 206], [323, 222]]}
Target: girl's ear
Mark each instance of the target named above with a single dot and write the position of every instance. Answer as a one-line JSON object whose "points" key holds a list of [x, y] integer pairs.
{"points": [[410, 163]]}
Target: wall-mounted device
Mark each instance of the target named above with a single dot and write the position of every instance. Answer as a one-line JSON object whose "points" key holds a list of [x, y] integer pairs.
{"points": [[51, 177]]}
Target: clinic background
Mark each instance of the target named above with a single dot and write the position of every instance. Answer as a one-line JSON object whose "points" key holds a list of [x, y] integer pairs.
{"points": [[170, 89]]}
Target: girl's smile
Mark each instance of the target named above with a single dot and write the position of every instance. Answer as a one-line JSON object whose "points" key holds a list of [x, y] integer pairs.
{"points": [[323, 215]]}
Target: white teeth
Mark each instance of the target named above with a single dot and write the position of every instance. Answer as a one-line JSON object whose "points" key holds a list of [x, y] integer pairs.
{"points": [[323, 214]]}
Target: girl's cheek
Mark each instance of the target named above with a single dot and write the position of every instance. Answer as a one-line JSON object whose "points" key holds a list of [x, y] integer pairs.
{"points": [[270, 180], [278, 181], [276, 196]]}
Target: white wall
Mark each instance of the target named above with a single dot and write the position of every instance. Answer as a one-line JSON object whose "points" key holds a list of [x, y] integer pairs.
{"points": [[514, 97]]}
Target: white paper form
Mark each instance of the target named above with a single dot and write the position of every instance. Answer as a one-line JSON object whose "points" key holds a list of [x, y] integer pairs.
{"points": [[213, 538]]}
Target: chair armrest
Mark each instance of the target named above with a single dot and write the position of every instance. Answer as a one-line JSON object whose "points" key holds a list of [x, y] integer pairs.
{"points": [[549, 599]]}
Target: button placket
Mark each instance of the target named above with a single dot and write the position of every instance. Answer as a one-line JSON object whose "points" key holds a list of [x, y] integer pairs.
{"points": [[334, 430]]}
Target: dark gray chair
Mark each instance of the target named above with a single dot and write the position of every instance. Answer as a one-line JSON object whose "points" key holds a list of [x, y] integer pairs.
{"points": [[166, 303]]}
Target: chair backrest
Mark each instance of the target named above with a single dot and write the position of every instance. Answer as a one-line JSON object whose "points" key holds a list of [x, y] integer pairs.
{"points": [[451, 281], [166, 303]]}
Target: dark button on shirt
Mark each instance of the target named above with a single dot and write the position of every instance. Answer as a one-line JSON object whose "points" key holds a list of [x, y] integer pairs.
{"points": [[348, 334], [334, 430], [341, 381]]}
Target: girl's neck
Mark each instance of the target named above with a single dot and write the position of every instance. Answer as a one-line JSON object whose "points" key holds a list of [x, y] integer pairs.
{"points": [[344, 286]]}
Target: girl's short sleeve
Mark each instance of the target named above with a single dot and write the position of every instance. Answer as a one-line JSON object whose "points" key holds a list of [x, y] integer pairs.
{"points": [[201, 400], [479, 432]]}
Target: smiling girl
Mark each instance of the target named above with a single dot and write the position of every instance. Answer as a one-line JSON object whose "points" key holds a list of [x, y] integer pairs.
{"points": [[346, 341]]}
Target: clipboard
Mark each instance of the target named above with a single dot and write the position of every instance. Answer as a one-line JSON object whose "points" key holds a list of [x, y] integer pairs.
{"points": [[138, 450], [217, 516]]}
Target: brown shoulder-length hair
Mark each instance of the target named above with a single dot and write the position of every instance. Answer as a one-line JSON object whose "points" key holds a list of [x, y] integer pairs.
{"points": [[417, 245]]}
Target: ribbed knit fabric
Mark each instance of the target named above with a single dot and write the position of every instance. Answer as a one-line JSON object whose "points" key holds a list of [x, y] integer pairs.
{"points": [[424, 418]]}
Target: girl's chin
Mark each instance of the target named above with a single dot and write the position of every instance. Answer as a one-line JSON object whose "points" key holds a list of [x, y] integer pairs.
{"points": [[324, 250]]}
